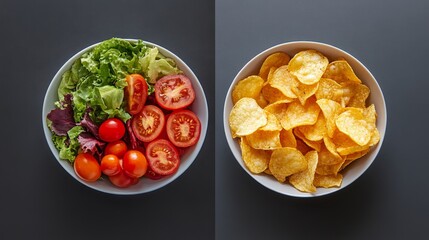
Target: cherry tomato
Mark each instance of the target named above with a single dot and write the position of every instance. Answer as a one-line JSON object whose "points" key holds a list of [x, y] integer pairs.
{"points": [[135, 93], [86, 167], [134, 163], [174, 92], [162, 157], [117, 148], [148, 124], [122, 180], [110, 165], [111, 130], [183, 128]]}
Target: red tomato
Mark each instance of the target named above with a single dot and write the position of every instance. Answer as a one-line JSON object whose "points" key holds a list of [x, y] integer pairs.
{"points": [[135, 93], [174, 92], [162, 157], [134, 163], [111, 130], [117, 148], [122, 180], [152, 175], [148, 124], [86, 167], [110, 165], [183, 128]]}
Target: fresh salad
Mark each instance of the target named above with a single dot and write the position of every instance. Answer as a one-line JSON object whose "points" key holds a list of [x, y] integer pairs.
{"points": [[122, 112]]}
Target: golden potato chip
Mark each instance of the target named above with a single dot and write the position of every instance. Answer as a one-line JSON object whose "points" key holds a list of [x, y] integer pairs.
{"points": [[266, 140], [327, 158], [272, 123], [328, 181], [267, 171], [272, 94], [249, 87], [274, 60], [370, 114], [315, 132], [271, 73], [278, 108], [352, 157], [332, 169], [287, 139], [303, 91], [359, 94], [303, 181], [246, 117], [302, 147], [262, 102], [330, 89], [285, 162], [330, 110], [284, 81], [308, 66], [341, 71], [300, 115], [313, 144], [255, 160], [330, 145], [352, 123]]}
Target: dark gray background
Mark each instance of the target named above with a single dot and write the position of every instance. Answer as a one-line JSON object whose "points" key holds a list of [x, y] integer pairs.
{"points": [[390, 200], [38, 199]]}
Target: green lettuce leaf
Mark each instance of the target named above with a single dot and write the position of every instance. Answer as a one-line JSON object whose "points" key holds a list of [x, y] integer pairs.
{"points": [[155, 65], [68, 146]]}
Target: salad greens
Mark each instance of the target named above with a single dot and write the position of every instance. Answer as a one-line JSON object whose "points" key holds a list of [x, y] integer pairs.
{"points": [[92, 90]]}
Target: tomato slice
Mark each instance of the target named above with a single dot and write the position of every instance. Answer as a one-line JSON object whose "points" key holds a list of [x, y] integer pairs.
{"points": [[148, 124], [174, 92], [152, 175], [183, 128], [135, 93], [162, 157]]}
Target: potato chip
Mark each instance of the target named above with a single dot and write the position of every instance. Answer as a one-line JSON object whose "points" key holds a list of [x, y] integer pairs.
{"points": [[287, 139], [313, 144], [272, 123], [300, 115], [308, 66], [303, 91], [271, 73], [246, 117], [266, 140], [330, 89], [285, 162], [284, 81], [255, 160], [330, 110], [267, 171], [272, 94], [352, 157], [370, 114], [332, 169], [341, 71], [328, 181], [359, 94], [315, 132], [249, 87], [274, 60], [278, 108], [262, 102], [352, 123], [327, 158], [302, 147], [303, 181], [330, 145]]}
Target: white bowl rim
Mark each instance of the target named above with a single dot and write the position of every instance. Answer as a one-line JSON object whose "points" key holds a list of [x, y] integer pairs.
{"points": [[162, 182], [296, 193]]}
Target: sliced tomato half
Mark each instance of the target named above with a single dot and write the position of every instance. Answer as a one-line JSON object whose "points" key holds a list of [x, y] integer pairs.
{"points": [[183, 128], [174, 92], [148, 124], [135, 93], [163, 158]]}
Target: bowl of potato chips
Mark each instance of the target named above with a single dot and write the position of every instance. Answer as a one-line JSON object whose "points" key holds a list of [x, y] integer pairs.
{"points": [[305, 119]]}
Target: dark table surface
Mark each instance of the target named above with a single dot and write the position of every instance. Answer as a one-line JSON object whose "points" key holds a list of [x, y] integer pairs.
{"points": [[390, 200], [38, 199]]}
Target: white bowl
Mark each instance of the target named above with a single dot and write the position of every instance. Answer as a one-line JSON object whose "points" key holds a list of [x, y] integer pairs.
{"points": [[354, 170], [199, 107]]}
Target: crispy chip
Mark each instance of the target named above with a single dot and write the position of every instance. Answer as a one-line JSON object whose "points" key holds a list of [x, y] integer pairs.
{"points": [[303, 181], [352, 123], [313, 144], [249, 87], [267, 171], [330, 145], [255, 160], [287, 139], [284, 81], [341, 71], [274, 60], [272, 94], [327, 158], [277, 108], [330, 110], [332, 169], [272, 123], [271, 73], [246, 117], [299, 115], [302, 147], [303, 91], [285, 162], [308, 66], [352, 157], [330, 89], [359, 94], [328, 181], [315, 132], [266, 140], [262, 102]]}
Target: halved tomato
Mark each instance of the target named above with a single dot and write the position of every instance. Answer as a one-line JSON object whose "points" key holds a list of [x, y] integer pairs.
{"points": [[135, 93], [183, 128], [148, 124], [162, 157], [174, 92]]}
